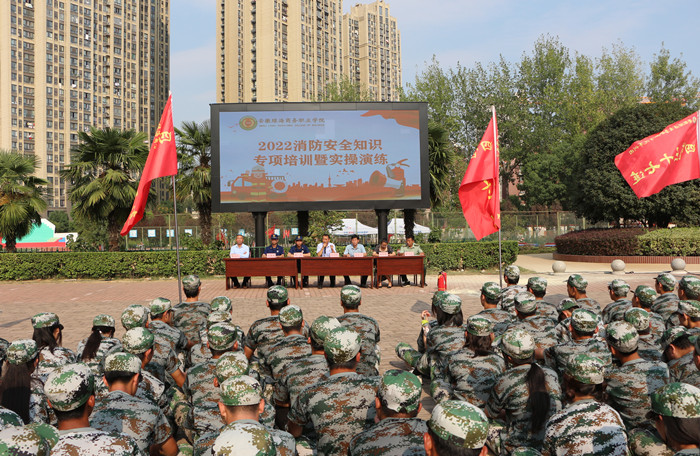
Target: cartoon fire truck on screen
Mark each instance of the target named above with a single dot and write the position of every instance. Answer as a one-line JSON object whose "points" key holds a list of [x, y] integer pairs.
{"points": [[257, 185]]}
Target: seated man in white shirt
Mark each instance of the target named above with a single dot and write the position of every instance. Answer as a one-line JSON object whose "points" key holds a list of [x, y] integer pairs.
{"points": [[242, 250], [351, 250], [324, 249]]}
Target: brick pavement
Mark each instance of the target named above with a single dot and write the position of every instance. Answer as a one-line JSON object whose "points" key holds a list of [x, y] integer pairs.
{"points": [[397, 309]]}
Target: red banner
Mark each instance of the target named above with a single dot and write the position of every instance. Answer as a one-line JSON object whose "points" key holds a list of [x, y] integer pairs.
{"points": [[162, 161], [666, 158], [479, 193]]}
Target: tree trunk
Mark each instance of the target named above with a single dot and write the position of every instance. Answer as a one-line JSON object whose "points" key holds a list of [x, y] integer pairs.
{"points": [[113, 229], [409, 221], [11, 244], [205, 224]]}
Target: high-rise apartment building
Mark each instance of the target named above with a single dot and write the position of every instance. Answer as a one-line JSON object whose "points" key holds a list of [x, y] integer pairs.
{"points": [[372, 49], [289, 50], [68, 65]]}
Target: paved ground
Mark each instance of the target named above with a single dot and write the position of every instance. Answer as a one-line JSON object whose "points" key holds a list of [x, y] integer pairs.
{"points": [[397, 309]]}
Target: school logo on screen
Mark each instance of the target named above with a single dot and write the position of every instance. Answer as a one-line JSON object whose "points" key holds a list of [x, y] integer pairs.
{"points": [[248, 123]]}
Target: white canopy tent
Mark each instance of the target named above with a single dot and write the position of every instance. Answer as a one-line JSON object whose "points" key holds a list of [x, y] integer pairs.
{"points": [[396, 226], [353, 226]]}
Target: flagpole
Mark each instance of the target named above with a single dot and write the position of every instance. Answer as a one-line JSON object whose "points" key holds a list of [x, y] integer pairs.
{"points": [[177, 244], [498, 180]]}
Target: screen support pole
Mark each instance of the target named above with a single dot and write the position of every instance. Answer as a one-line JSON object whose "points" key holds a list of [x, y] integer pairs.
{"points": [[260, 228], [382, 222]]}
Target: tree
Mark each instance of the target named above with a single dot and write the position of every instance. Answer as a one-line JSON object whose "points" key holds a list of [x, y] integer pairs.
{"points": [[20, 197], [670, 81], [346, 90], [103, 172], [323, 222], [601, 192], [194, 178], [61, 221]]}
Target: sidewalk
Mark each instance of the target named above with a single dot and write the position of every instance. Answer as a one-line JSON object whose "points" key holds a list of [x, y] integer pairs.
{"points": [[542, 264]]}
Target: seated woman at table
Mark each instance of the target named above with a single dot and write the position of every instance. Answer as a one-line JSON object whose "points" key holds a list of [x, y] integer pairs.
{"points": [[384, 247]]}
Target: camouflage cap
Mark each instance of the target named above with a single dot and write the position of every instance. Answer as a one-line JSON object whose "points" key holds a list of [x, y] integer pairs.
{"points": [[689, 308], [437, 296], [244, 439], [122, 362], [400, 391], [221, 303], [586, 369], [342, 345], [691, 286], [103, 320], [222, 336], [577, 281], [135, 316], [525, 451], [45, 431], [350, 295], [277, 294], [240, 390], [645, 294], [537, 284], [479, 326], [491, 290], [459, 423], [44, 320], [321, 327], [568, 304], [512, 272], [230, 364], [667, 281], [449, 303], [137, 340], [525, 302], [191, 282], [160, 306], [678, 400], [24, 441], [639, 318], [518, 344], [619, 287], [584, 321], [218, 317], [21, 351], [290, 316], [622, 336], [671, 335], [69, 386]]}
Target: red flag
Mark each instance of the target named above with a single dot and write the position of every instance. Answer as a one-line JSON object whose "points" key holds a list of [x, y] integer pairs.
{"points": [[479, 192], [271, 231], [663, 159], [162, 161]]}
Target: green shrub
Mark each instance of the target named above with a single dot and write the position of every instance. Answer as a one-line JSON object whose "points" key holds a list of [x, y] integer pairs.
{"points": [[132, 265], [611, 241], [671, 242]]}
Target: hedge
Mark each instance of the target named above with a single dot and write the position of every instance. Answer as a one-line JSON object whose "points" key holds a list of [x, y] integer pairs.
{"points": [[130, 265], [631, 241]]}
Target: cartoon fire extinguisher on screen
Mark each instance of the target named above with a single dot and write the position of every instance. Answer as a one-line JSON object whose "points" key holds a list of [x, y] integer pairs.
{"points": [[396, 177]]}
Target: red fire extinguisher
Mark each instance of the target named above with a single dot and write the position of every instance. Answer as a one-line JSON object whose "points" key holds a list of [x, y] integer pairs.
{"points": [[442, 281]]}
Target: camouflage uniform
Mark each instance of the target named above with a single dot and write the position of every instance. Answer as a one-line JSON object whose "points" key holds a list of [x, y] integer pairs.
{"points": [[108, 345], [137, 341], [366, 326], [21, 352], [221, 304], [303, 373], [538, 285], [68, 387], [665, 305], [50, 359], [28, 440], [582, 320], [508, 296], [289, 348], [163, 332], [200, 352], [543, 329], [459, 423], [9, 418], [585, 427], [678, 400], [500, 318], [510, 393], [648, 345], [616, 310], [470, 378], [629, 385], [399, 392], [118, 411], [135, 316], [682, 368], [199, 385], [644, 442], [244, 437], [342, 406]]}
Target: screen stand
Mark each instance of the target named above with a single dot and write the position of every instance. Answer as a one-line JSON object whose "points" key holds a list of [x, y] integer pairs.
{"points": [[260, 238], [382, 224], [303, 223]]}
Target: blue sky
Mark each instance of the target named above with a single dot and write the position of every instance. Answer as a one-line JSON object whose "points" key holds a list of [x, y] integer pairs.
{"points": [[464, 31]]}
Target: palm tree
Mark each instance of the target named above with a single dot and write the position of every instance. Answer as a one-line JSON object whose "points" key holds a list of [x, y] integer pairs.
{"points": [[194, 178], [441, 158], [20, 196], [103, 172]]}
